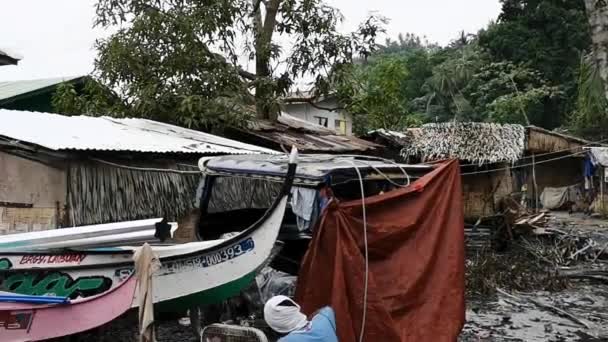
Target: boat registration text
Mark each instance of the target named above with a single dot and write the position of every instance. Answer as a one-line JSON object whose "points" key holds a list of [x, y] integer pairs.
{"points": [[210, 259]]}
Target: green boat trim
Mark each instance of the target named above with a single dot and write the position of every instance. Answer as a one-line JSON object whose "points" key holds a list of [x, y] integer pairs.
{"points": [[209, 296]]}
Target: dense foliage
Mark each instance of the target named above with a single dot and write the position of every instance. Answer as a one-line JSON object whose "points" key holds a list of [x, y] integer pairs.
{"points": [[182, 61], [185, 61], [524, 68]]}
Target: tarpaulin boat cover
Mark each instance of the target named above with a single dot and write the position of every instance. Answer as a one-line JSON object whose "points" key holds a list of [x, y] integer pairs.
{"points": [[416, 263]]}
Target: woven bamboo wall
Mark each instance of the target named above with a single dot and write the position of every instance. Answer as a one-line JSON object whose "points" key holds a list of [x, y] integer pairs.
{"points": [[558, 173], [541, 141], [100, 194]]}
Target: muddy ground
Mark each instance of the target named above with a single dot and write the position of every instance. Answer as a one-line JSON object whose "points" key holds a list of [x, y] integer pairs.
{"points": [[533, 302], [540, 303], [584, 317]]}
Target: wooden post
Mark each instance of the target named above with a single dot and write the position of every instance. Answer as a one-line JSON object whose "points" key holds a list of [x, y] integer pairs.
{"points": [[535, 190], [602, 180]]}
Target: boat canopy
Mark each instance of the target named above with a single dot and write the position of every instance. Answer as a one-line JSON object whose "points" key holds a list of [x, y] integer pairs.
{"points": [[313, 169]]}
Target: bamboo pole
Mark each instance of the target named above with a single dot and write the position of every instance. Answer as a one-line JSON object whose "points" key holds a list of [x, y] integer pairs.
{"points": [[535, 191], [602, 180]]}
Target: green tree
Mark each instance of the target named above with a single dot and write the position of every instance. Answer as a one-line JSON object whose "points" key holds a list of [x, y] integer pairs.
{"points": [[544, 35], [381, 93], [182, 61], [590, 117], [510, 93], [406, 44], [444, 97]]}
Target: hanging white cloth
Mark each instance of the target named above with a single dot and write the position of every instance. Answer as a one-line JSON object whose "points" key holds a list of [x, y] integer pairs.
{"points": [[146, 263], [303, 202]]}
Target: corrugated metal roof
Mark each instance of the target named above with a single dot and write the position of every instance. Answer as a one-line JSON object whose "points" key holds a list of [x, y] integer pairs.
{"points": [[10, 89], [9, 58], [58, 132]]}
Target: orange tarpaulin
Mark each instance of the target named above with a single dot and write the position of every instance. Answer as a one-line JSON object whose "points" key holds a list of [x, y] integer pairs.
{"points": [[416, 263]]}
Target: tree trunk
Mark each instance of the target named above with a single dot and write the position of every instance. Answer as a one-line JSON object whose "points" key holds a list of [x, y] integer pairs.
{"points": [[597, 15], [263, 44]]}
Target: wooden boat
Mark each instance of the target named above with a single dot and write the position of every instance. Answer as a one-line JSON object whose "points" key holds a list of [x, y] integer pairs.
{"points": [[191, 274], [31, 322]]}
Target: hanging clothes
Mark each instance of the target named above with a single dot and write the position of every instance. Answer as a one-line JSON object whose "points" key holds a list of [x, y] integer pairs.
{"points": [[303, 205], [589, 167]]}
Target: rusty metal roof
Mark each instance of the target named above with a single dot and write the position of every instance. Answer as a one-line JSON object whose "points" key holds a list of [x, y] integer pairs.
{"points": [[59, 132], [305, 136]]}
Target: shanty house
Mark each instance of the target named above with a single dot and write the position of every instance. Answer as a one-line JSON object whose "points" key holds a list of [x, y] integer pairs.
{"points": [[480, 147], [497, 160], [553, 160], [58, 171], [308, 137], [324, 111]]}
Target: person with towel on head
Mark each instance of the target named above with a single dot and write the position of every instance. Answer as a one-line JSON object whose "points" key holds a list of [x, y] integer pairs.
{"points": [[283, 315]]}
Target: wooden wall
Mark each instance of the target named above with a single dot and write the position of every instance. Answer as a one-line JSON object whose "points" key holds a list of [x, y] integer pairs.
{"points": [[555, 174], [483, 191], [32, 195]]}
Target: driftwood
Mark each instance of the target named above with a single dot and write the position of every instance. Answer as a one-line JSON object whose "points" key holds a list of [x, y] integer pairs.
{"points": [[600, 253], [598, 275], [551, 308], [590, 244]]}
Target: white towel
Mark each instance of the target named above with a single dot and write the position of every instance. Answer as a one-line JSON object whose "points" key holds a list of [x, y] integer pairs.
{"points": [[146, 263], [283, 319]]}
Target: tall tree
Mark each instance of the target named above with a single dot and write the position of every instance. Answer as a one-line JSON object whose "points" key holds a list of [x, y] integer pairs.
{"points": [[185, 61], [544, 35], [510, 93], [597, 14], [456, 66], [381, 93], [590, 118]]}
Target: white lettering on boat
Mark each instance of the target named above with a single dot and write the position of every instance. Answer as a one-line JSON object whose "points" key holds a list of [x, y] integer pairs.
{"points": [[209, 259], [52, 259], [16, 320]]}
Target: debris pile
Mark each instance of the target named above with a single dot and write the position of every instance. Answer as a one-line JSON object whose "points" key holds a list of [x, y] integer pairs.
{"points": [[548, 285], [546, 251]]}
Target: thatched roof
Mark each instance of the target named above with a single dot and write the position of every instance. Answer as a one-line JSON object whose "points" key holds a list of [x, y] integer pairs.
{"points": [[471, 141]]}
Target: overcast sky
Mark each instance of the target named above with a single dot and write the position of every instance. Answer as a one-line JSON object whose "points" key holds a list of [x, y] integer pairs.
{"points": [[55, 38]]}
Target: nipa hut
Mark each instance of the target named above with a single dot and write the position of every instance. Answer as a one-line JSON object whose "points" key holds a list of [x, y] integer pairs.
{"points": [[480, 147], [58, 171], [497, 160], [552, 160]]}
